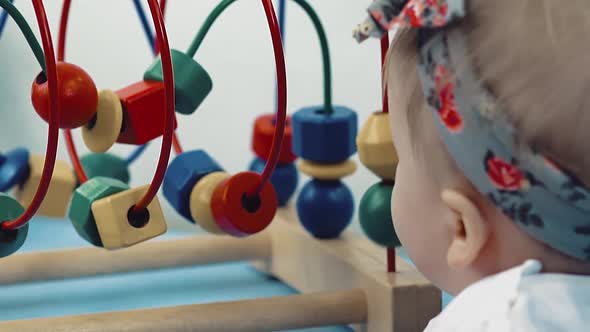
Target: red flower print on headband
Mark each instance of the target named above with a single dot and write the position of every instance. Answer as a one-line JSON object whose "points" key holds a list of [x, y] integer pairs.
{"points": [[420, 13], [445, 90], [504, 175]]}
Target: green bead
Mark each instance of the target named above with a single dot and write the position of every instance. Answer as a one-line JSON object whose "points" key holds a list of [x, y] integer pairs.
{"points": [[105, 165], [81, 207], [191, 82], [375, 215], [11, 241]]}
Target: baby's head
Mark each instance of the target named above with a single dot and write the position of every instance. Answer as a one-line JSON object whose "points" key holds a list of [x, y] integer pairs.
{"points": [[532, 56]]}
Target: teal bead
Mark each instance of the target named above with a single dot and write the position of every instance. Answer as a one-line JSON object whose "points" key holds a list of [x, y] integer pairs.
{"points": [[80, 212], [192, 83], [375, 215], [11, 241], [105, 165]]}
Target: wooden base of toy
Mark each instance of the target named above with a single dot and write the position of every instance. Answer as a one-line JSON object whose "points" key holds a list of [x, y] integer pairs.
{"points": [[343, 281]]}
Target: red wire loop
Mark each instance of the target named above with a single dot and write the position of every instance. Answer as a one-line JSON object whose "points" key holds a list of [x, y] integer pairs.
{"points": [[277, 139], [162, 44], [53, 131], [384, 49]]}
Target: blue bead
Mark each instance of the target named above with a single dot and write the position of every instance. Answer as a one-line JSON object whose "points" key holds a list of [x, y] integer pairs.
{"points": [[182, 175], [322, 137], [325, 208], [284, 179], [15, 168]]}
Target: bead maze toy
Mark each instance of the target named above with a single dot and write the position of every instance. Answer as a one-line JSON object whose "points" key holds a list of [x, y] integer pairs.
{"points": [[344, 278]]}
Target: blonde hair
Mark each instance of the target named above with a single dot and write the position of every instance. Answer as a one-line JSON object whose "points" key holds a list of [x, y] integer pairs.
{"points": [[532, 55]]}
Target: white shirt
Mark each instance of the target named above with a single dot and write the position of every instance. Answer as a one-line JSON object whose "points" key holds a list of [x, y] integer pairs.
{"points": [[519, 300]]}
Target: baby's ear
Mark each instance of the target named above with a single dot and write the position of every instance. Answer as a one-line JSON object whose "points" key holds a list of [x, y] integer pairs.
{"points": [[468, 229]]}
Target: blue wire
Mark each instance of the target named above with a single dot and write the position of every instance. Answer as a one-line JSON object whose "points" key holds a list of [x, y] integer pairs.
{"points": [[3, 19], [145, 24], [136, 153]]}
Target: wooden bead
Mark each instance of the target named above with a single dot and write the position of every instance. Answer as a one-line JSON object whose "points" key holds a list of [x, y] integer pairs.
{"points": [[375, 215], [77, 94], [101, 133], [375, 146], [192, 83], [11, 241], [324, 137], [200, 201], [14, 168], [106, 165], [80, 212], [264, 129], [119, 227], [144, 105], [327, 171], [182, 175], [284, 179], [236, 213], [62, 185]]}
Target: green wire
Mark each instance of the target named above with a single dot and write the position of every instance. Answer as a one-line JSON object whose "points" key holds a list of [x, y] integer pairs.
{"points": [[198, 40], [26, 30]]}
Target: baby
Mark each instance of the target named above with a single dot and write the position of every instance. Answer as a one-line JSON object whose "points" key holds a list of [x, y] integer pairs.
{"points": [[490, 108]]}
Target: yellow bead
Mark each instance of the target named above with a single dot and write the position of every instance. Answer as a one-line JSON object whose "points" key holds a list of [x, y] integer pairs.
{"points": [[114, 221], [200, 201], [102, 132], [61, 187], [375, 146], [327, 171]]}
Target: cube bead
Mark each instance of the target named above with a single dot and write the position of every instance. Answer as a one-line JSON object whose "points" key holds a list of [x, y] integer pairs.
{"points": [[192, 83], [62, 185], [324, 137], [375, 146], [182, 175], [80, 212], [144, 106], [11, 240], [119, 227]]}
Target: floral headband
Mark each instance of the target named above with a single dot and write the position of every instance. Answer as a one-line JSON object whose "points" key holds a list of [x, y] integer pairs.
{"points": [[542, 198]]}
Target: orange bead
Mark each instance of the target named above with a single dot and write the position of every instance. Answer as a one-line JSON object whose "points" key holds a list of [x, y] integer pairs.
{"points": [[144, 104], [239, 215], [77, 93], [264, 128]]}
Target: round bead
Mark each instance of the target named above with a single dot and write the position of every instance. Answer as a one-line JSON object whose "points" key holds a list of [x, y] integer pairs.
{"points": [[15, 168], [375, 215], [182, 175], [191, 82], [201, 201], [327, 171], [324, 137], [236, 213], [264, 129], [375, 146], [11, 241], [77, 93], [106, 165], [325, 208], [101, 133], [80, 212], [284, 179]]}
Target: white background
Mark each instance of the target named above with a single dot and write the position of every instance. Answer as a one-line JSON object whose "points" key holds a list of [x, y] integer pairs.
{"points": [[106, 38]]}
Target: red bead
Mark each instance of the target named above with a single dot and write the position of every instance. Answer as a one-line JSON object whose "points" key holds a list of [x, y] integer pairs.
{"points": [[264, 128], [77, 93], [238, 215], [144, 104]]}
